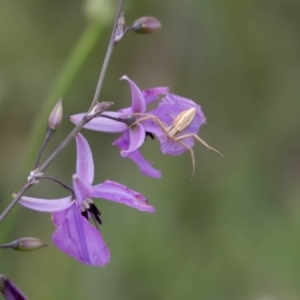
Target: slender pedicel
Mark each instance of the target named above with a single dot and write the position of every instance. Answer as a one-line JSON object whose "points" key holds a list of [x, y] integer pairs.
{"points": [[80, 125]]}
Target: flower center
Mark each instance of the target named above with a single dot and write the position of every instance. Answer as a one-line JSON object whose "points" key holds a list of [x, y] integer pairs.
{"points": [[89, 209]]}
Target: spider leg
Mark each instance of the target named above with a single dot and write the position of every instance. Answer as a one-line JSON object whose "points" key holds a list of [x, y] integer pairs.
{"points": [[163, 127], [144, 119], [181, 137], [171, 117], [192, 154]]}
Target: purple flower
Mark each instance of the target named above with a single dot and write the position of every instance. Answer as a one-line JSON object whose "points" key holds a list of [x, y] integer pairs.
{"points": [[9, 290], [134, 136], [168, 109], [74, 235], [157, 122]]}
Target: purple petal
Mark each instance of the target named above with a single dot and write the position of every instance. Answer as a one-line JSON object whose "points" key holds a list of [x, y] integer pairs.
{"points": [[9, 290], [144, 166], [124, 111], [151, 126], [136, 136], [101, 123], [84, 160], [45, 205], [123, 141], [80, 240], [152, 94], [82, 188], [171, 147], [59, 217], [171, 106], [116, 192], [138, 101], [183, 103]]}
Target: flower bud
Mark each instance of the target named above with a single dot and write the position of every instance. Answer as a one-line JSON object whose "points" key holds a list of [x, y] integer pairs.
{"points": [[9, 290], [56, 115], [25, 244], [145, 25]]}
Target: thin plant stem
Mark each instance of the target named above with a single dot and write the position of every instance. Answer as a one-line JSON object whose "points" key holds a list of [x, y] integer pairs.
{"points": [[50, 132], [109, 51], [64, 185], [66, 77], [79, 126], [14, 201], [64, 143]]}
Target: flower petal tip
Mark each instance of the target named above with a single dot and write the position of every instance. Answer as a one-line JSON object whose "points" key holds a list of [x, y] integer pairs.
{"points": [[151, 209], [124, 77]]}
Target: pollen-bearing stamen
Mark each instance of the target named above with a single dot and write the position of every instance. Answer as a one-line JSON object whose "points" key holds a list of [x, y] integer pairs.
{"points": [[89, 209]]}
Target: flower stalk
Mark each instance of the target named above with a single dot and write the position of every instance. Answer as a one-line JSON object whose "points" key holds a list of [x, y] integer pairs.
{"points": [[80, 125]]}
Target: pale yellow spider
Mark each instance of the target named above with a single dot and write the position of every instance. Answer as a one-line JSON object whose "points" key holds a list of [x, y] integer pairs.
{"points": [[181, 122]]}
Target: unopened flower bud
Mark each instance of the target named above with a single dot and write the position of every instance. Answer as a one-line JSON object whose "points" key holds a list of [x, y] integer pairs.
{"points": [[145, 25], [9, 290], [25, 244], [56, 115]]}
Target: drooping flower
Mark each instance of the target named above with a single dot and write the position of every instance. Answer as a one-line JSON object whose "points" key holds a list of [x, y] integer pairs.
{"points": [[74, 235], [147, 123], [9, 290], [168, 109], [179, 120], [133, 136]]}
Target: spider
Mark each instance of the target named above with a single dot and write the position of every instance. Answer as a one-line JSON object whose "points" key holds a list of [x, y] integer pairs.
{"points": [[181, 122]]}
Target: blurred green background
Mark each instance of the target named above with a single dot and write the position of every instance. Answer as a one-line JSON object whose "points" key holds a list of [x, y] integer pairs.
{"points": [[232, 232]]}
